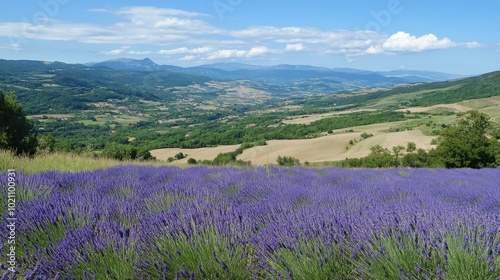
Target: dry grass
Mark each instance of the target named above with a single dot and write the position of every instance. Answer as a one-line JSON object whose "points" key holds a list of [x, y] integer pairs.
{"points": [[453, 107], [312, 118], [332, 147], [312, 150], [61, 162], [198, 154]]}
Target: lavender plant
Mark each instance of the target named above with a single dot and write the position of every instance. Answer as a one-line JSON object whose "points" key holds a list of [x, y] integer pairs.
{"points": [[133, 222]]}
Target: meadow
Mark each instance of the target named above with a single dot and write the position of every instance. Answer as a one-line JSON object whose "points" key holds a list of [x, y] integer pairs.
{"points": [[146, 222]]}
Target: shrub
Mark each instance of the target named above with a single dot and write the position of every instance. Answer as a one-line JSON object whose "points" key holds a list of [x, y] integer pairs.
{"points": [[365, 135], [287, 161], [180, 156]]}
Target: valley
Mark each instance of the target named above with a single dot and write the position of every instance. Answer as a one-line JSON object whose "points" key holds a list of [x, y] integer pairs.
{"points": [[139, 104]]}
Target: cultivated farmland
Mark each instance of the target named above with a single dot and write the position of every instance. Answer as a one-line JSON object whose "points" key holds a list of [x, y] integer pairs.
{"points": [[131, 222]]}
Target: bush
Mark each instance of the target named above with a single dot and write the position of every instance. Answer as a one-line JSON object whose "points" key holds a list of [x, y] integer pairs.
{"points": [[180, 156], [125, 152], [365, 135], [287, 161], [192, 161], [464, 145]]}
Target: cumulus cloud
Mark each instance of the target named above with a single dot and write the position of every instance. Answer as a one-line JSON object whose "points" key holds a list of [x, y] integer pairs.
{"points": [[294, 47], [405, 42], [139, 52], [188, 58], [116, 51], [235, 53], [190, 36], [184, 50]]}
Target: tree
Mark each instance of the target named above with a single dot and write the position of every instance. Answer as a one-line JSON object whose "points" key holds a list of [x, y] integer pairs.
{"points": [[180, 156], [288, 161], [379, 158], [46, 143], [465, 145], [411, 147], [15, 129], [125, 152]]}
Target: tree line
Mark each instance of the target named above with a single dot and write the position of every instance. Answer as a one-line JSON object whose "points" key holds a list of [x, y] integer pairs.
{"points": [[466, 144], [469, 143]]}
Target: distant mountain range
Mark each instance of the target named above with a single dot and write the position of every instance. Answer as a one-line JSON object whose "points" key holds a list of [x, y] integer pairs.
{"points": [[284, 73]]}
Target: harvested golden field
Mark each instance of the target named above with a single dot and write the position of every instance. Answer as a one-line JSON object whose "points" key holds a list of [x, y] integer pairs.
{"points": [[198, 154], [312, 118], [332, 147], [453, 107]]}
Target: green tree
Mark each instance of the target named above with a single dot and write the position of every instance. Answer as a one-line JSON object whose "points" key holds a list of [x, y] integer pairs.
{"points": [[288, 161], [379, 158], [180, 156], [397, 152], [415, 160], [15, 129], [411, 147], [46, 143], [465, 145]]}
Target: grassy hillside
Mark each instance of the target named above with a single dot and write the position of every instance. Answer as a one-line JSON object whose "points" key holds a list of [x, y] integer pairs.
{"points": [[61, 162], [483, 86], [54, 87], [86, 108]]}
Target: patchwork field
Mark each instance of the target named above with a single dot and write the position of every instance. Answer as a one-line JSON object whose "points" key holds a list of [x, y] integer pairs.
{"points": [[322, 149], [332, 147], [312, 118], [198, 154]]}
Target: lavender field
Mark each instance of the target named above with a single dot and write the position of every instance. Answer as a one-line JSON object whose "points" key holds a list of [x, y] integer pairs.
{"points": [[255, 223]]}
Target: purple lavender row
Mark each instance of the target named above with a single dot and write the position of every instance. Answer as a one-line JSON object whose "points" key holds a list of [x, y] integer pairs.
{"points": [[260, 223]]}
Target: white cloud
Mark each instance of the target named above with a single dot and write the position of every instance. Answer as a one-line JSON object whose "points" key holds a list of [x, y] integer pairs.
{"points": [[116, 51], [257, 51], [405, 42], [139, 52], [235, 53], [294, 47], [184, 50], [189, 36], [188, 57], [225, 54], [472, 45], [13, 47], [149, 12]]}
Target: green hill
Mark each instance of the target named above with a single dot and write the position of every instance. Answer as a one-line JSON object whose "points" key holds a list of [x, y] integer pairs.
{"points": [[55, 87]]}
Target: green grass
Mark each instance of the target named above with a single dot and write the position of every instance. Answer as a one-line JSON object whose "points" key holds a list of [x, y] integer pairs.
{"points": [[311, 259], [399, 255], [206, 253], [34, 243], [113, 262], [61, 162]]}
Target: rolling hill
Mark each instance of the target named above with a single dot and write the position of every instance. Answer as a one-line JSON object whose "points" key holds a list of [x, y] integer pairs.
{"points": [[284, 73], [85, 107]]}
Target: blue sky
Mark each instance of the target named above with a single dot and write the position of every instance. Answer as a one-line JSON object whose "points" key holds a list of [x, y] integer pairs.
{"points": [[450, 36]]}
